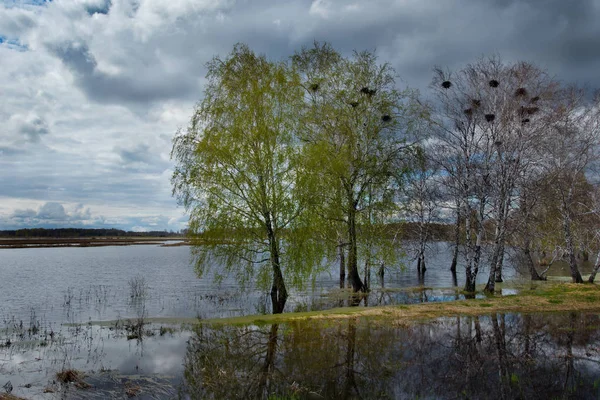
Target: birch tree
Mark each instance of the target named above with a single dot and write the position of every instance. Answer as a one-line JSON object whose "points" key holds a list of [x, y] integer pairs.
{"points": [[422, 205], [568, 152], [492, 116], [238, 173], [356, 124]]}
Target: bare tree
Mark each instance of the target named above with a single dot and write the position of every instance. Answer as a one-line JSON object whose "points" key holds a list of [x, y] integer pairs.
{"points": [[492, 120], [465, 147], [567, 153], [422, 204]]}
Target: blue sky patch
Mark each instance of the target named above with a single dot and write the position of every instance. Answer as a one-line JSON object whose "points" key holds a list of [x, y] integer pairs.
{"points": [[12, 44]]}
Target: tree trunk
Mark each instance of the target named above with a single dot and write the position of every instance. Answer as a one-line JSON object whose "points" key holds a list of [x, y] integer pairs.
{"points": [[527, 252], [381, 273], [279, 293], [456, 242], [490, 287], [454, 279], [469, 277], [342, 264], [595, 269], [472, 272], [500, 263], [575, 274], [357, 284], [367, 275]]}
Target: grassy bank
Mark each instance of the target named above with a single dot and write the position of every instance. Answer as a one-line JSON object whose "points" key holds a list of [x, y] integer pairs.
{"points": [[536, 298]]}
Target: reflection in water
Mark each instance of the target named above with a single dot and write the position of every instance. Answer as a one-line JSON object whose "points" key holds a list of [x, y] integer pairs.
{"points": [[503, 356]]}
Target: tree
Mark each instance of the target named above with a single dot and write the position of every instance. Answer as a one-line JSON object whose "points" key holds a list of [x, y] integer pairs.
{"points": [[238, 172], [464, 149], [356, 125], [422, 206], [492, 116], [568, 151]]}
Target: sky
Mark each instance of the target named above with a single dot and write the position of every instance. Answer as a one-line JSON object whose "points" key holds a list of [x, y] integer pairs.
{"points": [[93, 91]]}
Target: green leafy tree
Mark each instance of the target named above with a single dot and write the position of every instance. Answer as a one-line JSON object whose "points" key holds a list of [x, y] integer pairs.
{"points": [[239, 176], [356, 128]]}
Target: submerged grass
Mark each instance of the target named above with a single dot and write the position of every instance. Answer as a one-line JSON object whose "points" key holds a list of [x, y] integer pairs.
{"points": [[536, 298]]}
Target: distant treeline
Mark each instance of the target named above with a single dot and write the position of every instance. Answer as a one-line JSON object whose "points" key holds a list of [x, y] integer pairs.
{"points": [[80, 232]]}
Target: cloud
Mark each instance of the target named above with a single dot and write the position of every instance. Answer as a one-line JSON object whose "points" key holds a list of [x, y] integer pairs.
{"points": [[50, 214], [56, 215], [98, 7], [33, 127], [94, 90]]}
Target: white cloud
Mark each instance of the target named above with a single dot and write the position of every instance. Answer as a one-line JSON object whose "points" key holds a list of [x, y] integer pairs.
{"points": [[93, 90]]}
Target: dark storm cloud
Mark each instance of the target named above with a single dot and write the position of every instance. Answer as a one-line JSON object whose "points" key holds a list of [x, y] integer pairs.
{"points": [[414, 36]]}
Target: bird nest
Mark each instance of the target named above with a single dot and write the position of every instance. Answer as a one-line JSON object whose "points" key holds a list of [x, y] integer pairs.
{"points": [[521, 92]]}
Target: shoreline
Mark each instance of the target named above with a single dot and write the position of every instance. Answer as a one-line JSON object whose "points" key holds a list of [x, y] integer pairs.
{"points": [[28, 243]]}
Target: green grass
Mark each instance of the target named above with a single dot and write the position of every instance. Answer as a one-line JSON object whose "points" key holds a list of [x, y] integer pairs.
{"points": [[539, 297]]}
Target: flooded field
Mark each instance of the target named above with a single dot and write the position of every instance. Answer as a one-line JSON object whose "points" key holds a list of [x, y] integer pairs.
{"points": [[121, 321], [83, 284]]}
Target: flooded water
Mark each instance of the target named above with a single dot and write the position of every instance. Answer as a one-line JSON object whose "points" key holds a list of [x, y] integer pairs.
{"points": [[502, 356], [53, 300], [493, 357], [82, 284]]}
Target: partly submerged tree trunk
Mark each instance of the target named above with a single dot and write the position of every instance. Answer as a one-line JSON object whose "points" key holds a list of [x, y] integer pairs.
{"points": [[355, 280], [342, 263], [491, 283], [595, 269], [469, 278], [421, 267], [456, 242], [473, 265], [498, 255], [279, 293]]}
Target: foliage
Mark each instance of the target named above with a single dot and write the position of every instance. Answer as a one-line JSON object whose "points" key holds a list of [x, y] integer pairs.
{"points": [[239, 171], [358, 128]]}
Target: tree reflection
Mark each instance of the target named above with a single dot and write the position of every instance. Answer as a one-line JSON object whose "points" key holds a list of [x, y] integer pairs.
{"points": [[500, 356]]}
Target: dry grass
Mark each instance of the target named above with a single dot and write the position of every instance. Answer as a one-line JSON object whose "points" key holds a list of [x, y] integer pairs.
{"points": [[543, 297], [72, 376], [8, 396], [132, 390]]}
